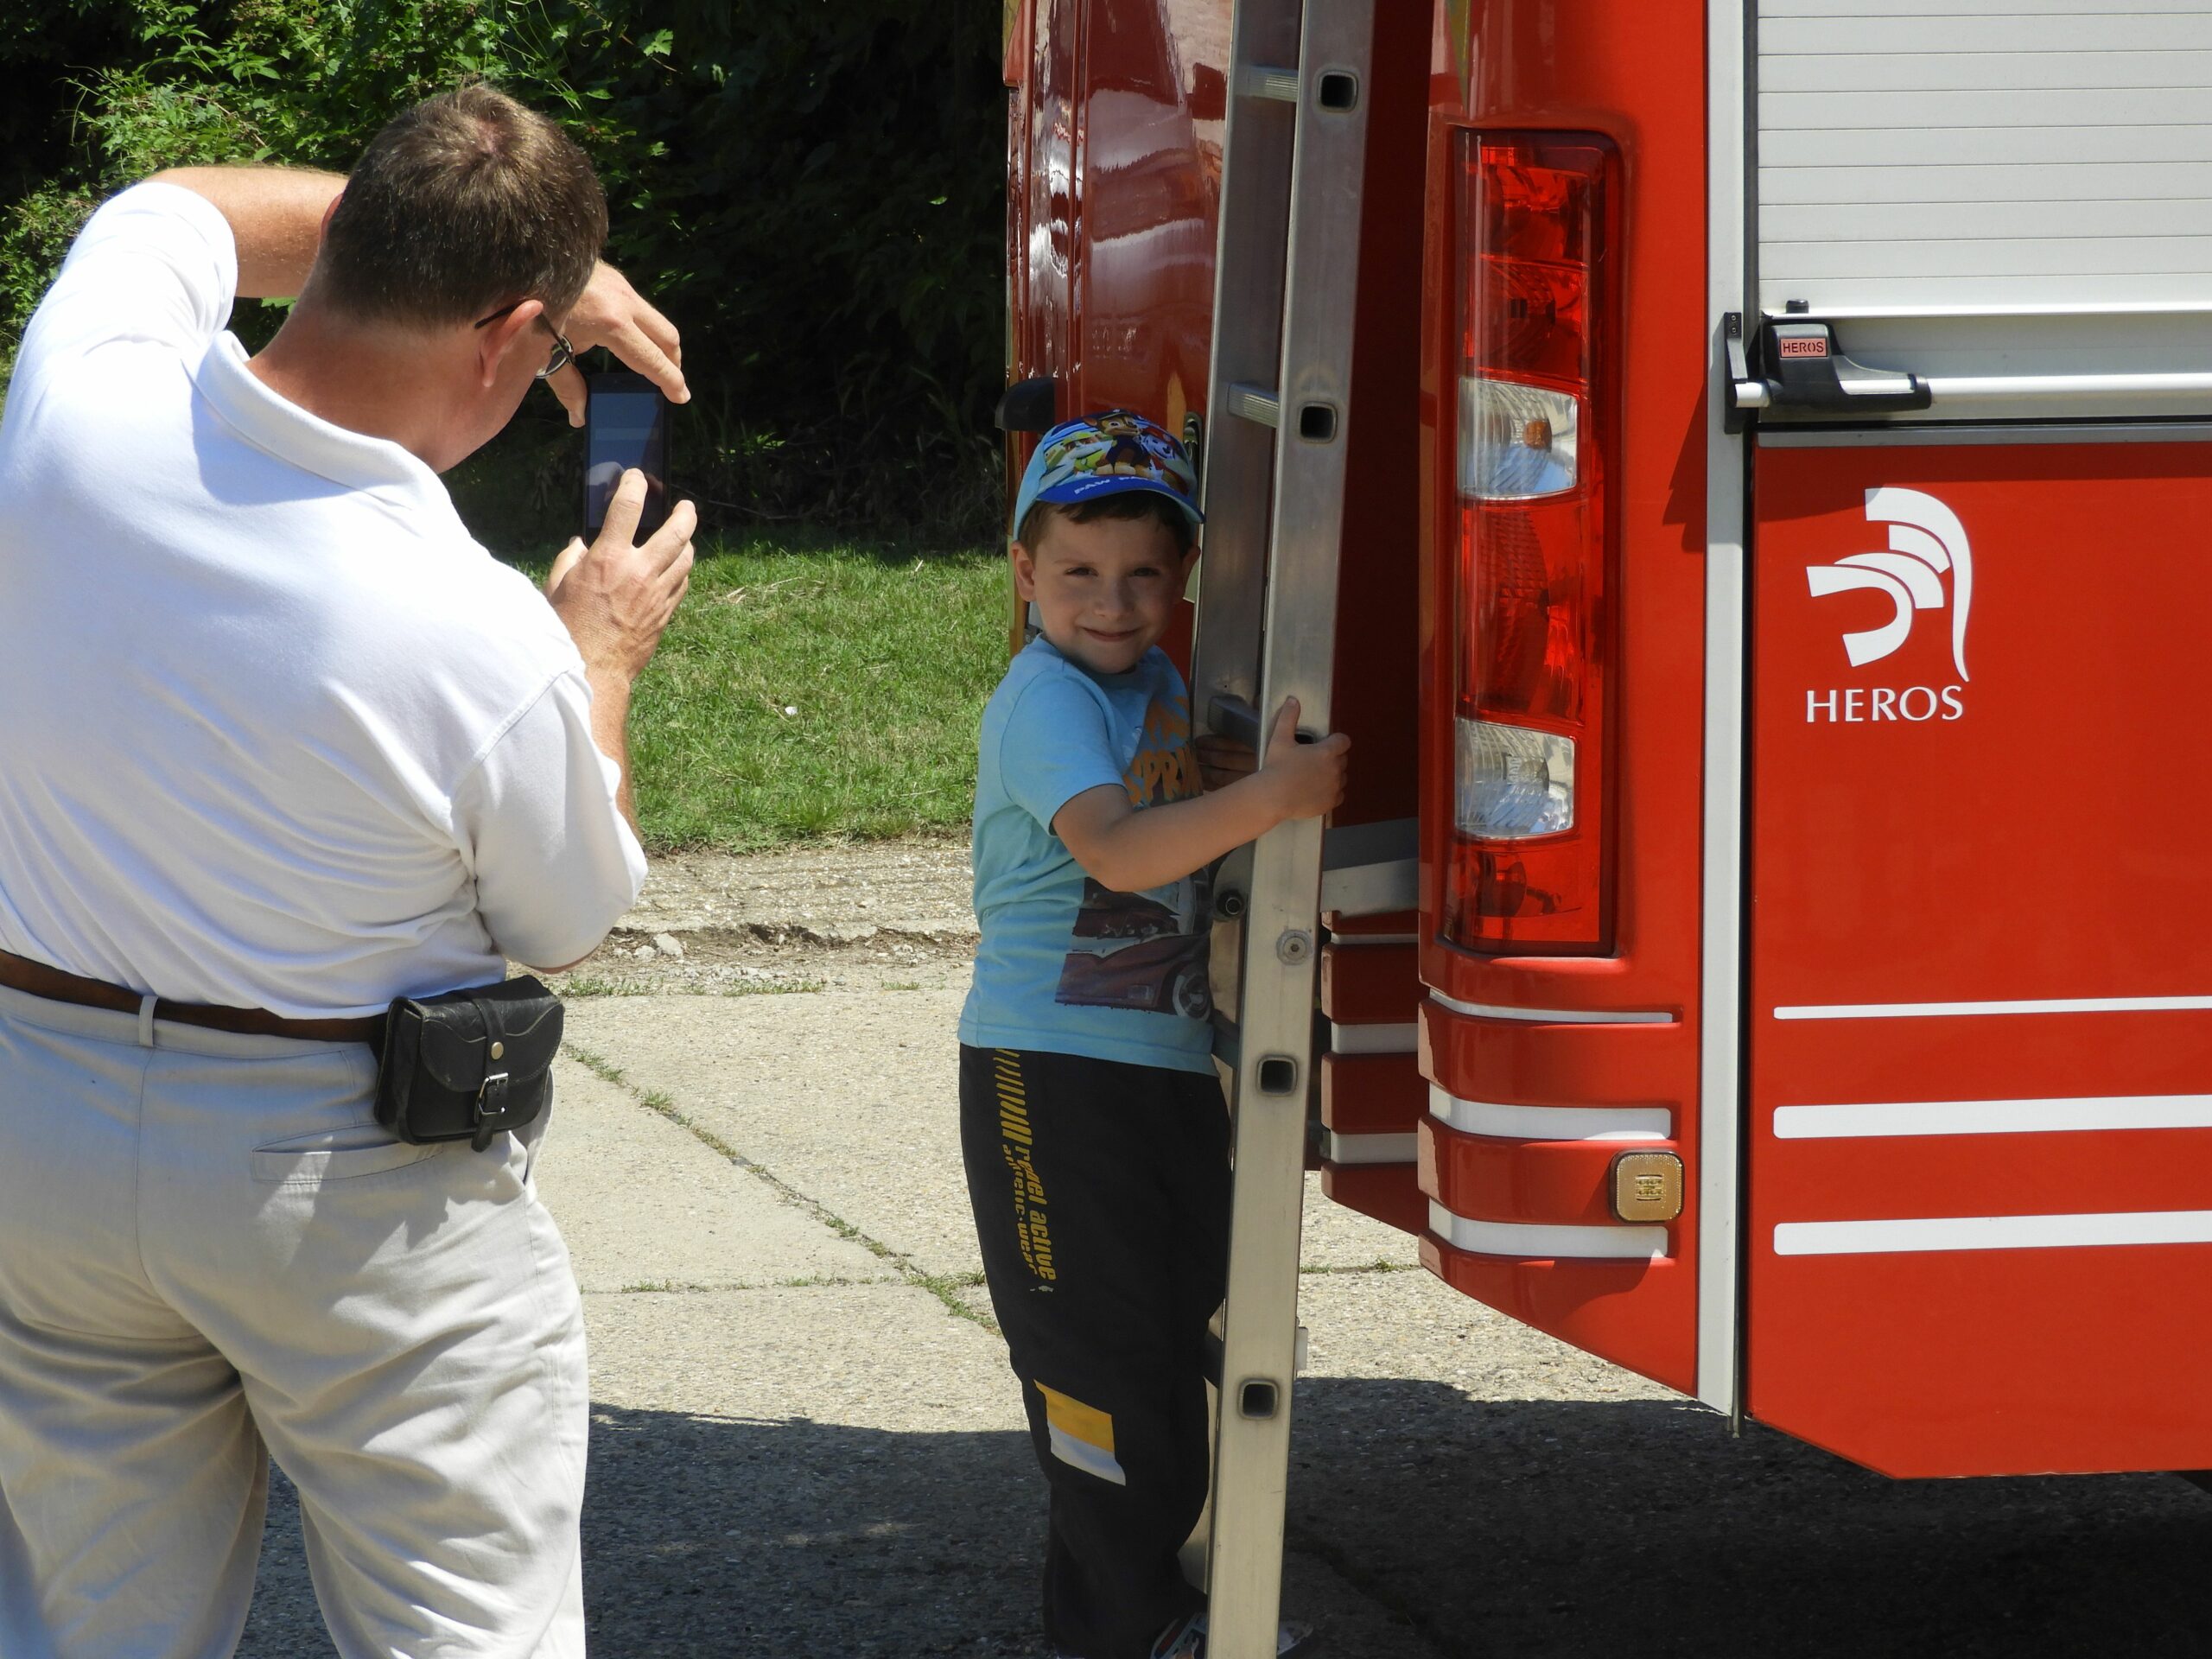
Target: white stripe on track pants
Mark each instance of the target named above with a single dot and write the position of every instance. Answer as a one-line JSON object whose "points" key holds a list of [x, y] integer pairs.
{"points": [[207, 1248]]}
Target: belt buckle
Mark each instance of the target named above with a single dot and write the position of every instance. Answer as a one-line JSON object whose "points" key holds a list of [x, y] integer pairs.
{"points": [[490, 1116]]}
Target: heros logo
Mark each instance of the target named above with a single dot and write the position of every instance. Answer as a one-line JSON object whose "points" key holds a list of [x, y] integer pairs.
{"points": [[1856, 703], [1926, 545]]}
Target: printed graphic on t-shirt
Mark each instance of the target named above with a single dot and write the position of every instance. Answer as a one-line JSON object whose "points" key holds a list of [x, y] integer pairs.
{"points": [[1147, 951]]}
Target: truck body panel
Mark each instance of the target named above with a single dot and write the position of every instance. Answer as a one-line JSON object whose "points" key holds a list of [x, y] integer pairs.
{"points": [[1947, 1242], [1978, 951]]}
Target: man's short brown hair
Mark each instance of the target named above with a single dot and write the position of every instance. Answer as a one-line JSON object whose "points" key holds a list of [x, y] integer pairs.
{"points": [[463, 204]]}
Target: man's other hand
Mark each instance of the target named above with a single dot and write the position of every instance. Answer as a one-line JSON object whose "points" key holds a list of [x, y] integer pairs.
{"points": [[613, 313], [616, 596]]}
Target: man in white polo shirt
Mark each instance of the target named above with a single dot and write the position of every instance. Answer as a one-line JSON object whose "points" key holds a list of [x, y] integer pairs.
{"points": [[280, 742]]}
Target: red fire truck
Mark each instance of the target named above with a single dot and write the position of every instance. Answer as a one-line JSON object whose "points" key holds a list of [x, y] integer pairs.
{"points": [[1736, 469]]}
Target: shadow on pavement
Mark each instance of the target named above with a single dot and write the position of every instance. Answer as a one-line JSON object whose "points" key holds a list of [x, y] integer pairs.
{"points": [[1523, 1528], [1575, 1527], [796, 1540]]}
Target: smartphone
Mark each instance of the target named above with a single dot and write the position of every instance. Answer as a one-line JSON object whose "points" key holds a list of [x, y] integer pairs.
{"points": [[625, 425]]}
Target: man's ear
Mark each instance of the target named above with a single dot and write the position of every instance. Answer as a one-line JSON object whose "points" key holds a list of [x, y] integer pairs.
{"points": [[1025, 572], [495, 339]]}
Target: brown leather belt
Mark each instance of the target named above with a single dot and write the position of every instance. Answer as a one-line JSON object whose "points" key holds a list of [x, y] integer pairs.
{"points": [[36, 979]]}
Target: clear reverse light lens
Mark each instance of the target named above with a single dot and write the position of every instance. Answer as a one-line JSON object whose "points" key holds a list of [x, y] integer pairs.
{"points": [[1517, 442], [1513, 782]]}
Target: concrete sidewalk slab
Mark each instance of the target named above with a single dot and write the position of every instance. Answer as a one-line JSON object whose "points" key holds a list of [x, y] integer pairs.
{"points": [[850, 1096], [642, 1201], [833, 1470], [1411, 1324], [836, 1470], [1334, 1236]]}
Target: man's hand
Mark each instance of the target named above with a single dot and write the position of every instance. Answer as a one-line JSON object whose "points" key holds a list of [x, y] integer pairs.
{"points": [[612, 314], [1308, 778], [616, 595]]}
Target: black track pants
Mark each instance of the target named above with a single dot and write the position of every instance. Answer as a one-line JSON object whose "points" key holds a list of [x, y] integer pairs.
{"points": [[1101, 1193]]}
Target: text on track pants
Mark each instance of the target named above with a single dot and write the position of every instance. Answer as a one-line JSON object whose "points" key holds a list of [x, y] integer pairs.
{"points": [[1101, 1193], [206, 1248]]}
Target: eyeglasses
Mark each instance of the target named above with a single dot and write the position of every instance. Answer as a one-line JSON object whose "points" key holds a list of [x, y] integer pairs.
{"points": [[564, 353]]}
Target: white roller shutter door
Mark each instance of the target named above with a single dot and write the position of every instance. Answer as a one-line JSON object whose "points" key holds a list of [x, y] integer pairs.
{"points": [[1968, 155]]}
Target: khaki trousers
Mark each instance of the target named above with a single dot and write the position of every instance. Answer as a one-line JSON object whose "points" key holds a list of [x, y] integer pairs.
{"points": [[210, 1254]]}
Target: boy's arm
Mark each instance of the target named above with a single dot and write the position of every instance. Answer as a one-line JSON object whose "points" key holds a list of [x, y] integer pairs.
{"points": [[1129, 850]]}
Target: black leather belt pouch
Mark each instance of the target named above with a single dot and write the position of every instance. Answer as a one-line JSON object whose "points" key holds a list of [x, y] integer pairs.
{"points": [[469, 1064]]}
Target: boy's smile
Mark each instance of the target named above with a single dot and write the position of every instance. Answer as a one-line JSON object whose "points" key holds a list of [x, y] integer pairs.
{"points": [[1105, 591]]}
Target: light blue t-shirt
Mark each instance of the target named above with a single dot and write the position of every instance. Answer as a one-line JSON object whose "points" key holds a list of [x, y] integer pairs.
{"points": [[1065, 965]]}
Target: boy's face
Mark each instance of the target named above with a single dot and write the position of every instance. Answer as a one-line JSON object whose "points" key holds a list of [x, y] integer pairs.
{"points": [[1104, 591]]}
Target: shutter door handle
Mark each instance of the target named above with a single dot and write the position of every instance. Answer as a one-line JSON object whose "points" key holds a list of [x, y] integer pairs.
{"points": [[1799, 365]]}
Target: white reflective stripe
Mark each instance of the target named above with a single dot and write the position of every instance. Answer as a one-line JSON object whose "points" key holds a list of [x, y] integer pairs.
{"points": [[1548, 1241], [1992, 1233], [1993, 1117], [1092, 1459], [1375, 1040], [1345, 941], [1370, 1149], [1552, 1016], [2046, 1005], [1549, 1123]]}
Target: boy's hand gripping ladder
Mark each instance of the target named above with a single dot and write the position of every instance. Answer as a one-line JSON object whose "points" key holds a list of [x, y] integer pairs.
{"points": [[1285, 298]]}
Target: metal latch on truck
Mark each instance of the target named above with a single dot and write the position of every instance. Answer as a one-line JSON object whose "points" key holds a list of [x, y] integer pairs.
{"points": [[1797, 366], [1801, 368]]}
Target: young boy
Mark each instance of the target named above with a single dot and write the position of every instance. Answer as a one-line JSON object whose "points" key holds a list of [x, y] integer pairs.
{"points": [[1091, 1118]]}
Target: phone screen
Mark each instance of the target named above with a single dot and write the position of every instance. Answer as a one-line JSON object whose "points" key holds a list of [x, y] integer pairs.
{"points": [[625, 429]]}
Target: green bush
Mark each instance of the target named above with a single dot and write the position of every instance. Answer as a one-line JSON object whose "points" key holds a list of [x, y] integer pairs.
{"points": [[811, 188]]}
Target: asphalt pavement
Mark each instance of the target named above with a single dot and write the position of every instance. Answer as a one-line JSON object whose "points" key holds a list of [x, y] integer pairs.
{"points": [[807, 1441]]}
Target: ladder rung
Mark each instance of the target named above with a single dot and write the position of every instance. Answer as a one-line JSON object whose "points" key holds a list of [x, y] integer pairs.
{"points": [[1258, 81], [1237, 719], [1255, 403]]}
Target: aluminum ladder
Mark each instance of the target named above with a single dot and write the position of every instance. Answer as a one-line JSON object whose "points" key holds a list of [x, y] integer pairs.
{"points": [[1286, 284]]}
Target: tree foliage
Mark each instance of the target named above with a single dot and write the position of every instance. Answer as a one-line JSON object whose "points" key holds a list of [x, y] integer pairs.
{"points": [[811, 188]]}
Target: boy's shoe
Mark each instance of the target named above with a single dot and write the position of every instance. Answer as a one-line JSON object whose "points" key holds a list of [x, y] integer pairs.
{"points": [[1188, 1640]]}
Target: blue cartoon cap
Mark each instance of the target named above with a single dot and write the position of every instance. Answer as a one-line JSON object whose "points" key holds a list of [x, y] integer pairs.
{"points": [[1107, 454]]}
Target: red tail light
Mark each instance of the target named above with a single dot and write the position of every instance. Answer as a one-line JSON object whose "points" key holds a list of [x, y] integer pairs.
{"points": [[1535, 363]]}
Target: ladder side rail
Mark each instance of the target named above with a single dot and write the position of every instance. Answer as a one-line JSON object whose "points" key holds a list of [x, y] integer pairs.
{"points": [[1252, 230], [1281, 954]]}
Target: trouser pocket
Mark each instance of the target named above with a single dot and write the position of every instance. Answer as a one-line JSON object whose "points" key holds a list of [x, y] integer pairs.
{"points": [[338, 1154]]}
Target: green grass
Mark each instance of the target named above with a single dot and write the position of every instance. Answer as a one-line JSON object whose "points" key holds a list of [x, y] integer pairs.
{"points": [[811, 693]]}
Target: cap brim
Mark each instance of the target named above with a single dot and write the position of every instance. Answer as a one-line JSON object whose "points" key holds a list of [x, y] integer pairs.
{"points": [[1089, 488]]}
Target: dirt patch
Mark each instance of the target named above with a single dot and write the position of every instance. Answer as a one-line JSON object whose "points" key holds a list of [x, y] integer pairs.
{"points": [[721, 922]]}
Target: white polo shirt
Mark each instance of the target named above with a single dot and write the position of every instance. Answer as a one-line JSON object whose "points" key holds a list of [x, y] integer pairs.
{"points": [[275, 731]]}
